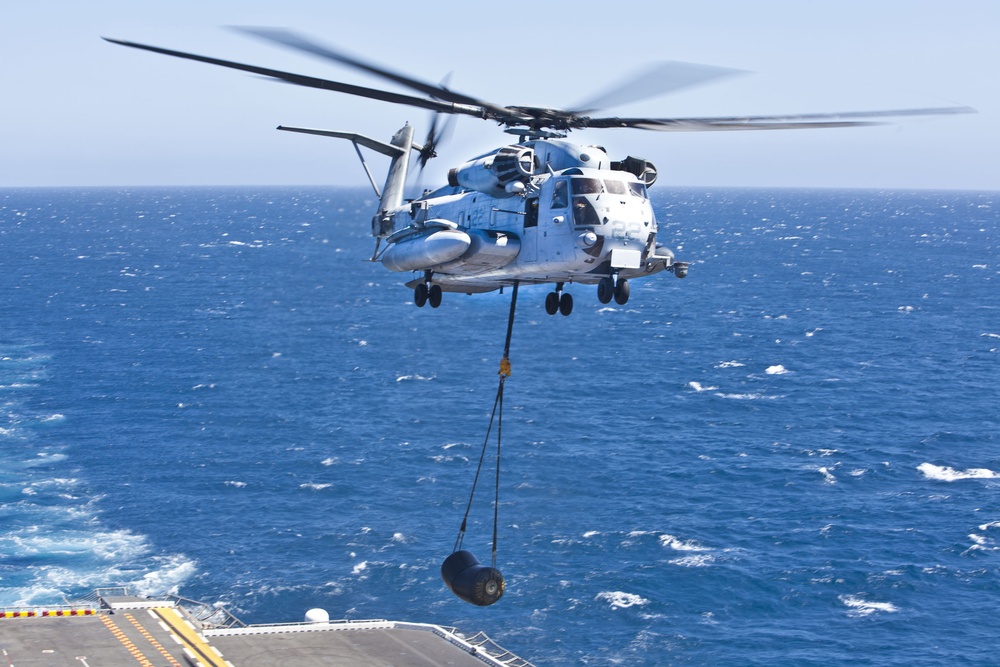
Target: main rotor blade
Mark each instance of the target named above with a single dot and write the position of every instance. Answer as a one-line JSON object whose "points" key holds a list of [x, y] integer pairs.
{"points": [[784, 122], [313, 82], [659, 79], [295, 41]]}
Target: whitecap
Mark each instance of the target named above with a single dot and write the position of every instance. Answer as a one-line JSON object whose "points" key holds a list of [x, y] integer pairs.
{"points": [[315, 487], [697, 386], [828, 477], [235, 484], [947, 474], [861, 607], [671, 542], [591, 533], [729, 364], [404, 378], [360, 567], [698, 560], [621, 600], [747, 397], [776, 370]]}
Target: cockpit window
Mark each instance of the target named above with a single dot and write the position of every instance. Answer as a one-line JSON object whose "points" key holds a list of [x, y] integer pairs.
{"points": [[584, 214], [586, 186], [637, 189], [615, 187]]}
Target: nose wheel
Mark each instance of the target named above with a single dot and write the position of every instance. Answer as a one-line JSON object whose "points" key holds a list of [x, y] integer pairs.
{"points": [[613, 287], [559, 301]]}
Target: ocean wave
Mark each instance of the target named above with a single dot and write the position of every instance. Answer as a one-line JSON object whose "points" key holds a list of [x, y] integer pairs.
{"points": [[777, 369], [696, 560], [948, 474], [860, 607], [312, 486], [414, 378], [671, 542], [697, 386], [621, 600], [828, 477], [748, 397]]}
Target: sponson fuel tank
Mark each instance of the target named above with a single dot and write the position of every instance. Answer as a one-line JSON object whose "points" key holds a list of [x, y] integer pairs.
{"points": [[470, 580], [465, 251], [424, 251]]}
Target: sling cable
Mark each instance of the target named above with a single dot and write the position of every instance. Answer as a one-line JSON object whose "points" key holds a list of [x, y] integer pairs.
{"points": [[462, 572]]}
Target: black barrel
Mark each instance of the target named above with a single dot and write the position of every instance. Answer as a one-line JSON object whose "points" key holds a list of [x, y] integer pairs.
{"points": [[470, 580]]}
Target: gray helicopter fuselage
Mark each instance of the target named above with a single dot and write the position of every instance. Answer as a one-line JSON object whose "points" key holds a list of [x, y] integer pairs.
{"points": [[569, 217]]}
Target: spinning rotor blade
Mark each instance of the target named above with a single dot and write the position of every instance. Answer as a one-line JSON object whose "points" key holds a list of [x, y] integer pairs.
{"points": [[660, 79], [300, 43], [784, 122], [314, 82]]}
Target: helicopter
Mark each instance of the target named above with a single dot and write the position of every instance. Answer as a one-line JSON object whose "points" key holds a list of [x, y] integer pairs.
{"points": [[541, 210]]}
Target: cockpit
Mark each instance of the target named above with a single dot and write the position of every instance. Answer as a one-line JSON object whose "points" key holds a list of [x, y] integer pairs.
{"points": [[584, 189]]}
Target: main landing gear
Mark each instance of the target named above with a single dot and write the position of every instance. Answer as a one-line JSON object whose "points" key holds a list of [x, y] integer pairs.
{"points": [[425, 292], [559, 302], [613, 287]]}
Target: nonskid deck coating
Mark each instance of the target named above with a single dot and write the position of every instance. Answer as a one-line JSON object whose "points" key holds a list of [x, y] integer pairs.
{"points": [[155, 634]]}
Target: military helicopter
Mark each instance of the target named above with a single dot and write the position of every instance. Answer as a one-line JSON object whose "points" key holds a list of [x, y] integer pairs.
{"points": [[543, 210]]}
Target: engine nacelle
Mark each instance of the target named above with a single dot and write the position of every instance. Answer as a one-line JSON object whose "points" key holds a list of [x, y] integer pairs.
{"points": [[496, 174], [644, 170]]}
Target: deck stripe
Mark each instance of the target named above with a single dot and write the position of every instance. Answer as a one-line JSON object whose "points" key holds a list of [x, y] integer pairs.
{"points": [[125, 641], [204, 653], [152, 640]]}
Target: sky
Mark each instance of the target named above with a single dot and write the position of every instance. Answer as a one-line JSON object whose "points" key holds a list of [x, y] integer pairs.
{"points": [[78, 111]]}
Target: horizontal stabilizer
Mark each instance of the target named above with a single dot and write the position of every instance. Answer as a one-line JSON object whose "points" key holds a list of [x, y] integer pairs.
{"points": [[367, 142]]}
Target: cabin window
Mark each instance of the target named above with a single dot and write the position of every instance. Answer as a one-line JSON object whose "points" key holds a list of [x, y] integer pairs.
{"points": [[531, 213], [586, 186], [559, 197], [615, 187]]}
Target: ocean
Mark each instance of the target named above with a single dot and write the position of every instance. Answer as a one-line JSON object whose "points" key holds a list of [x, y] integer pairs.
{"points": [[789, 457]]}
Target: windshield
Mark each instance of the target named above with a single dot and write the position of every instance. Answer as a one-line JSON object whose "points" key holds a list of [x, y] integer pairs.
{"points": [[615, 187], [637, 189], [586, 186]]}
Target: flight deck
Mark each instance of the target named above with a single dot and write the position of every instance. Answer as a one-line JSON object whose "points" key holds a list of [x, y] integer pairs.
{"points": [[115, 629]]}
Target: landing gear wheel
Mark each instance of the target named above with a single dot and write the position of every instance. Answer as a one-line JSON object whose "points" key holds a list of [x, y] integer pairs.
{"points": [[622, 292], [420, 295], [605, 289], [552, 303], [566, 303], [434, 295]]}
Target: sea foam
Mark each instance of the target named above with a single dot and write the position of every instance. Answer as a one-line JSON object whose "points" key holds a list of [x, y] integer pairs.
{"points": [[947, 474]]}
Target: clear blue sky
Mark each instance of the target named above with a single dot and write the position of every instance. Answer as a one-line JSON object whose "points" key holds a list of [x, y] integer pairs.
{"points": [[79, 111]]}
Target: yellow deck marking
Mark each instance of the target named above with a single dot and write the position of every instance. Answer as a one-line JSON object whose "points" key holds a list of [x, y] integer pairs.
{"points": [[125, 641], [191, 639], [152, 640]]}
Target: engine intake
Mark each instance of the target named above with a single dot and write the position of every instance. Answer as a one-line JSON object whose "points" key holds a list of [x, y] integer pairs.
{"points": [[644, 170]]}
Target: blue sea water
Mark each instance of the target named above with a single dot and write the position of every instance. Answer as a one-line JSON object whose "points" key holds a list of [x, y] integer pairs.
{"points": [[790, 457]]}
